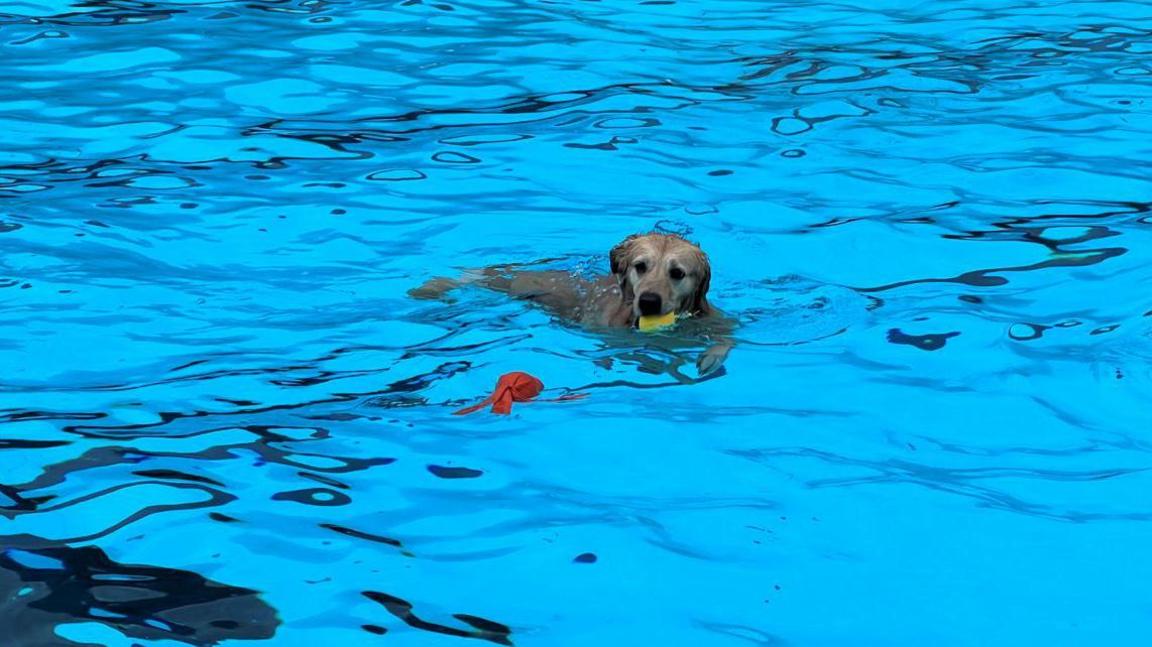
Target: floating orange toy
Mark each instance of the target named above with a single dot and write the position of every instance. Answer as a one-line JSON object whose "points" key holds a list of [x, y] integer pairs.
{"points": [[512, 387]]}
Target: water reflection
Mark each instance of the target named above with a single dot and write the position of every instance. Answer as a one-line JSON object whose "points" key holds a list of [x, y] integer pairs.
{"points": [[46, 587]]}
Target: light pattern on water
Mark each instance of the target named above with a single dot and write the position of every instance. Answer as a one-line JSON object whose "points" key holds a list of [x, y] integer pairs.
{"points": [[932, 220]]}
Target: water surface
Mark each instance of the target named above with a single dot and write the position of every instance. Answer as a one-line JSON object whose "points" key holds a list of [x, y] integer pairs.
{"points": [[224, 420]]}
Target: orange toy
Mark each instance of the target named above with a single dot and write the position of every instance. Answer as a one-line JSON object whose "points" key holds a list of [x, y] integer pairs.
{"points": [[512, 387]]}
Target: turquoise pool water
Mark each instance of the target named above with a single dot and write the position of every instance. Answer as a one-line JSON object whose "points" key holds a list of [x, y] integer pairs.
{"points": [[224, 419]]}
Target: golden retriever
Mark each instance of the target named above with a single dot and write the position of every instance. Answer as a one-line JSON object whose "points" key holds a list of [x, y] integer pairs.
{"points": [[652, 274]]}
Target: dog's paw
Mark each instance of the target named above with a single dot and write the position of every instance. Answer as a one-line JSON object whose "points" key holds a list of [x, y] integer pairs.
{"points": [[712, 359]]}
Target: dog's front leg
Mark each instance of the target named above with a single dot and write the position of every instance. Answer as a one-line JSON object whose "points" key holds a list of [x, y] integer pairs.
{"points": [[713, 357]]}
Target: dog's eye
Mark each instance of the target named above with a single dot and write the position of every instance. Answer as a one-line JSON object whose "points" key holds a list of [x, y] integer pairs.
{"points": [[676, 273], [641, 267]]}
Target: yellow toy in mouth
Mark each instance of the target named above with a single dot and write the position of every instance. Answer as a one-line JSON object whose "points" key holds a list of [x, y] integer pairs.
{"points": [[650, 323]]}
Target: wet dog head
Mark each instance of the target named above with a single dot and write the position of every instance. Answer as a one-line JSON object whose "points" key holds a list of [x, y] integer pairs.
{"points": [[662, 273]]}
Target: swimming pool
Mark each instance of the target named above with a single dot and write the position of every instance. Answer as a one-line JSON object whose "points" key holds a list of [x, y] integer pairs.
{"points": [[224, 419]]}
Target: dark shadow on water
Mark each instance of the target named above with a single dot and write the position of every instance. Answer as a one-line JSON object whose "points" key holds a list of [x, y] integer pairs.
{"points": [[45, 588]]}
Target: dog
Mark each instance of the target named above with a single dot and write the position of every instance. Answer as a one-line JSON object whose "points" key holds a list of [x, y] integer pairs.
{"points": [[651, 274]]}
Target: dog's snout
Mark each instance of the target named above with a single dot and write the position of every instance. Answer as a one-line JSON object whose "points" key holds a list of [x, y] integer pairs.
{"points": [[650, 303]]}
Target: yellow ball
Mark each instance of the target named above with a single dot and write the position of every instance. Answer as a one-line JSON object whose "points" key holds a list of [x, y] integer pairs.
{"points": [[656, 322]]}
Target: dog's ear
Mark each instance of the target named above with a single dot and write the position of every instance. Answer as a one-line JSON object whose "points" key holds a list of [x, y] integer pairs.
{"points": [[700, 303], [621, 255]]}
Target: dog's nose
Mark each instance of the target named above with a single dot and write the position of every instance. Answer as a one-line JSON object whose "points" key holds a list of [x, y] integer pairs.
{"points": [[650, 303]]}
